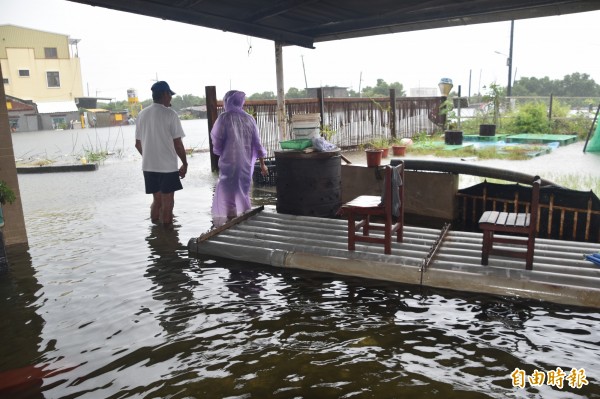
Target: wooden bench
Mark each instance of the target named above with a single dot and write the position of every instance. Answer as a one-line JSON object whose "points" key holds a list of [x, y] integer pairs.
{"points": [[360, 210], [511, 223]]}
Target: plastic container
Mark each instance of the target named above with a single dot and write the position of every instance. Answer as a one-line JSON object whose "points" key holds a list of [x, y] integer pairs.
{"points": [[306, 133], [306, 120], [297, 144], [270, 179]]}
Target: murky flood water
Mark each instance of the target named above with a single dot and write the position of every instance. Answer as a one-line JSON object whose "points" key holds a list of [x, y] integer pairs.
{"points": [[105, 305]]}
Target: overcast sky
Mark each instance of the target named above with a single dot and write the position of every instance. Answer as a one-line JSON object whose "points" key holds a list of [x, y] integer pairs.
{"points": [[119, 51]]}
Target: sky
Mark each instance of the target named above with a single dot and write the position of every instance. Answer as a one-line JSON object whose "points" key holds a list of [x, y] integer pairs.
{"points": [[121, 51]]}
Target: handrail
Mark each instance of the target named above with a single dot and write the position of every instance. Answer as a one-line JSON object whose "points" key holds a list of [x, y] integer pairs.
{"points": [[470, 169]]}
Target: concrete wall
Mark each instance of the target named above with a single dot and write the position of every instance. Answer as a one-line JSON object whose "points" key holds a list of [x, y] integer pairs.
{"points": [[426, 194]]}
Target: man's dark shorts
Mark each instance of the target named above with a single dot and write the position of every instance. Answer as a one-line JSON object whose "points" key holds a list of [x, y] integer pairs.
{"points": [[163, 182]]}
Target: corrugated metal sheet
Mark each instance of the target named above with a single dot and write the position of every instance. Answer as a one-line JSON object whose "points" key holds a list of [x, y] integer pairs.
{"points": [[305, 22], [55, 107], [560, 274]]}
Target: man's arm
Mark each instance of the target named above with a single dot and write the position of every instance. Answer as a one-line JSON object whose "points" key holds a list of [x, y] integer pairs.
{"points": [[263, 168], [138, 145], [180, 150]]}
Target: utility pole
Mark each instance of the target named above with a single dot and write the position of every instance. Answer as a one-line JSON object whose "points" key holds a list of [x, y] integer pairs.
{"points": [[304, 69], [360, 85], [509, 61]]}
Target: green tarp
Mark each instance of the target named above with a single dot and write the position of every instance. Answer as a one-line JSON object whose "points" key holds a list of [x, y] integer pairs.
{"points": [[594, 143]]}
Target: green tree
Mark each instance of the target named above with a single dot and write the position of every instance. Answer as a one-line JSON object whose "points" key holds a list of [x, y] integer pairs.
{"points": [[573, 85], [382, 89], [578, 85], [114, 106], [265, 95], [295, 93], [186, 100]]}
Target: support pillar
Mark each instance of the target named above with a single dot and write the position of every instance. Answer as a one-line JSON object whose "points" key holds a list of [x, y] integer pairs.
{"points": [[14, 220], [211, 116]]}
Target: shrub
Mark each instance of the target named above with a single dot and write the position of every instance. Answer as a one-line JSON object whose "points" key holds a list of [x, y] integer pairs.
{"points": [[7, 195], [529, 118]]}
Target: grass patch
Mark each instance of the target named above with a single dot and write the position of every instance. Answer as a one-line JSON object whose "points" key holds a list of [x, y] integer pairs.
{"points": [[571, 181], [94, 156], [576, 182], [510, 152]]}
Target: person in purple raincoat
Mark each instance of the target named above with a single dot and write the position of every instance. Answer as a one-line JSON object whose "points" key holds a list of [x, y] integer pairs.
{"points": [[236, 141]]}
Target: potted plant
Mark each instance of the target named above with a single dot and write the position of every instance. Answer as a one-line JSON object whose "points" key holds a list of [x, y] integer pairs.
{"points": [[382, 144], [492, 99], [327, 132], [374, 156], [7, 196], [399, 147]]}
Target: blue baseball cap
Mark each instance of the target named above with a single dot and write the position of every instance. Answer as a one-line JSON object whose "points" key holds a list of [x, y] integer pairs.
{"points": [[161, 86]]}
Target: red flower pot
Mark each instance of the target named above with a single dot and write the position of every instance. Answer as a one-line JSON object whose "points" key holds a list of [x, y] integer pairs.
{"points": [[399, 150], [373, 157]]}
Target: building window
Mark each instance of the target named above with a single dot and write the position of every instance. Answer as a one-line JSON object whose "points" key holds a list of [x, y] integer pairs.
{"points": [[50, 52], [59, 122], [5, 81], [53, 79], [23, 72]]}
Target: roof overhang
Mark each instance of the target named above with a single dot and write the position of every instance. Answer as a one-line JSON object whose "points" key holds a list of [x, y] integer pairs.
{"points": [[57, 107], [304, 22]]}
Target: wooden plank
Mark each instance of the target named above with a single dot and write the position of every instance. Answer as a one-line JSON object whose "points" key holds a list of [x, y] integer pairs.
{"points": [[489, 217], [521, 220], [502, 218], [230, 223], [364, 201], [511, 219]]}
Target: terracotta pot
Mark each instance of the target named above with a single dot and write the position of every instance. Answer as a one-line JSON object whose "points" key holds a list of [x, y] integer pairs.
{"points": [[385, 152], [399, 150], [373, 157]]}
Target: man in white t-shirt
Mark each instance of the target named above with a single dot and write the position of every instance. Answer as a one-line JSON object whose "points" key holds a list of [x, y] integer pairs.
{"points": [[158, 135]]}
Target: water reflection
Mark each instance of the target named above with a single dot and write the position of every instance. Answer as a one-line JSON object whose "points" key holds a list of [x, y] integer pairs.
{"points": [[167, 269], [21, 326]]}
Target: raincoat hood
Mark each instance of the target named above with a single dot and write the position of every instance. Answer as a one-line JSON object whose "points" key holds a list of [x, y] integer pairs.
{"points": [[234, 100]]}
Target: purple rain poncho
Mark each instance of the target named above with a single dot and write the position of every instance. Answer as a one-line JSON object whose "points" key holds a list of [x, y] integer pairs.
{"points": [[235, 139]]}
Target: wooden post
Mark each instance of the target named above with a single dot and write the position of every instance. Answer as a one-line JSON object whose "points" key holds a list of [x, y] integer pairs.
{"points": [[321, 106], [211, 116], [281, 119], [393, 113], [14, 228]]}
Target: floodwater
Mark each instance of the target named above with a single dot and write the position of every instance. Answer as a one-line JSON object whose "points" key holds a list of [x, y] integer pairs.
{"points": [[104, 304]]}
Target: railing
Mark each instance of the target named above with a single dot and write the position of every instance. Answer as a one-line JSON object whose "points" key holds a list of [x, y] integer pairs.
{"points": [[558, 217], [355, 121]]}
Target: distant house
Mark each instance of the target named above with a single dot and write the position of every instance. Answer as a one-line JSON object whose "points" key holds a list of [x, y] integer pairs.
{"points": [[424, 92], [97, 117], [197, 111], [22, 115], [39, 66], [328, 92], [119, 118], [90, 102], [57, 114]]}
